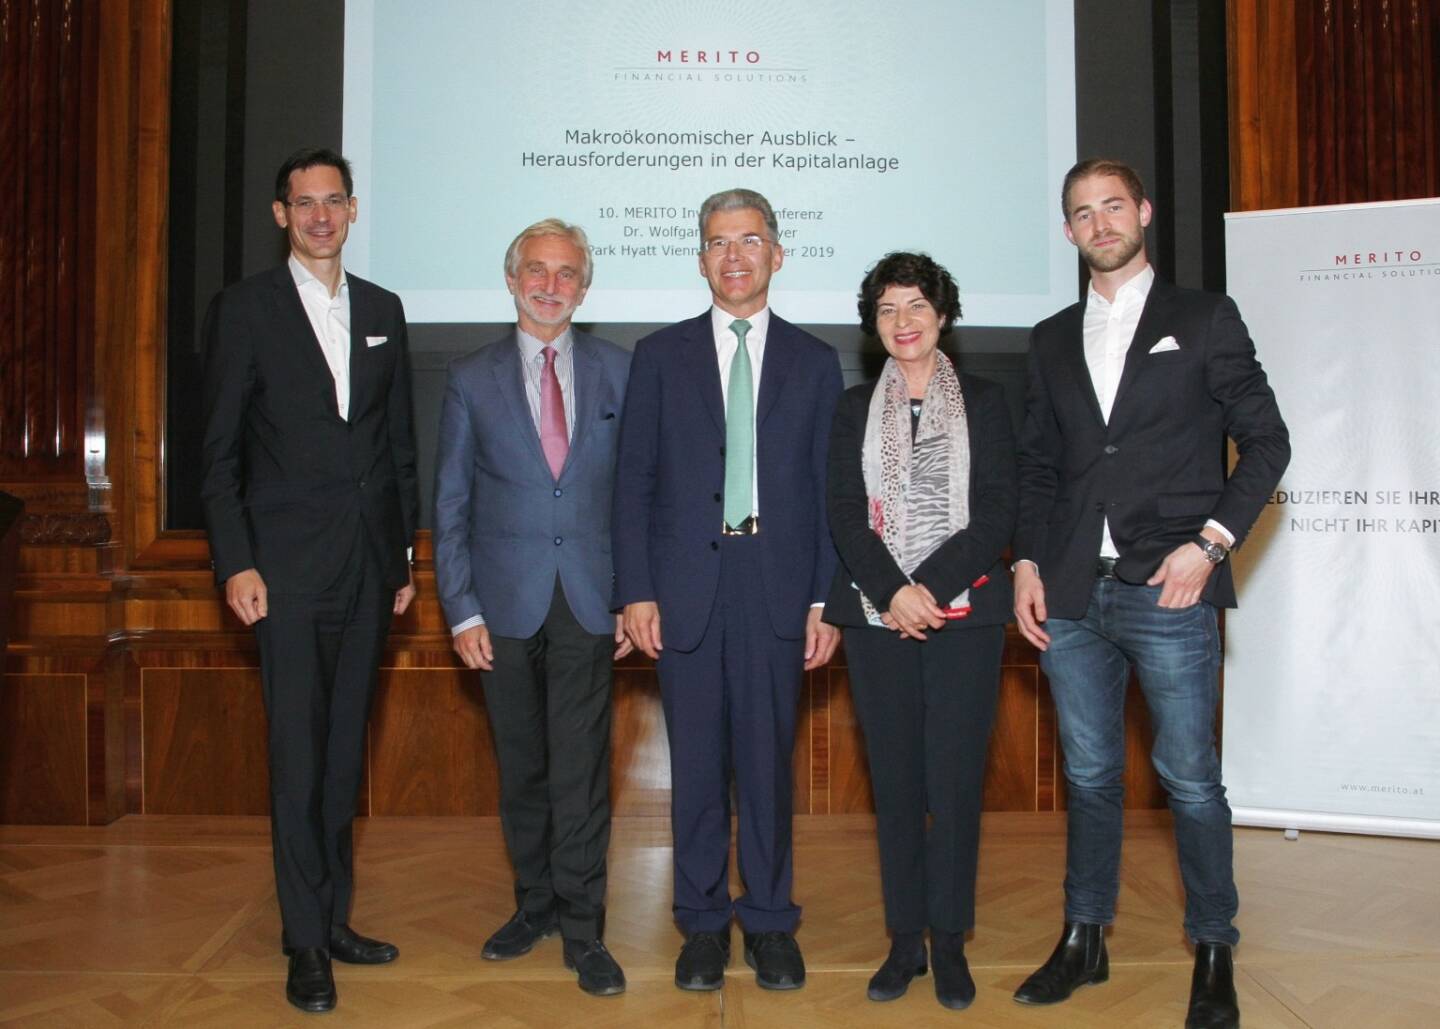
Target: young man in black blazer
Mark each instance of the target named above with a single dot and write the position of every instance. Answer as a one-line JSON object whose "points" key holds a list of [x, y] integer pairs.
{"points": [[311, 501], [1127, 515]]}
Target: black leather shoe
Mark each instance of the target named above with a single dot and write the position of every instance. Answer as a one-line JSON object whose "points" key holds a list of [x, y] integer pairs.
{"points": [[702, 961], [954, 987], [775, 956], [519, 935], [310, 986], [599, 973], [1213, 1004], [350, 947], [1079, 959], [906, 961]]}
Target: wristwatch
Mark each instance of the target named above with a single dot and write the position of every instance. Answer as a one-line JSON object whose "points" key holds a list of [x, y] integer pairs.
{"points": [[1214, 552]]}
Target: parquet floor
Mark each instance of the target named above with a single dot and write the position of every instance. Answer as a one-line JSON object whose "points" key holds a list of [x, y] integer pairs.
{"points": [[172, 921]]}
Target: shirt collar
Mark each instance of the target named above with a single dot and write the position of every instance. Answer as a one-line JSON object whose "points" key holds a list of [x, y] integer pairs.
{"points": [[1138, 285], [720, 320], [303, 278], [530, 346]]}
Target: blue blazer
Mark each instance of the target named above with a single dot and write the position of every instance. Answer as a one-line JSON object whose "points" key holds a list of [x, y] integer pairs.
{"points": [[504, 527], [670, 480]]}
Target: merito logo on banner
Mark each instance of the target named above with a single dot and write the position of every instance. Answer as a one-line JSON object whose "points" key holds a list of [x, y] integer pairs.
{"points": [[1367, 265]]}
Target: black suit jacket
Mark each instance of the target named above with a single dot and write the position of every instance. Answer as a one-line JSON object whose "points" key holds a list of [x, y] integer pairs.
{"points": [[1158, 468], [960, 560], [289, 486]]}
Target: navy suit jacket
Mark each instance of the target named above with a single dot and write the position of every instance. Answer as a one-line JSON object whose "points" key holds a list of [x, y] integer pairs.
{"points": [[504, 527], [670, 480], [287, 483], [1157, 468]]}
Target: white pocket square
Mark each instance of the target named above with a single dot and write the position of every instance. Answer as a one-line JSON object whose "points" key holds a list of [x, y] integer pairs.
{"points": [[1168, 343], [375, 341]]}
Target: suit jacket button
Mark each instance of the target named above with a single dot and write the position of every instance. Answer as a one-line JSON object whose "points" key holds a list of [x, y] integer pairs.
{"points": [[559, 540], [1099, 507], [714, 545], [718, 498], [558, 492], [1112, 449], [722, 451]]}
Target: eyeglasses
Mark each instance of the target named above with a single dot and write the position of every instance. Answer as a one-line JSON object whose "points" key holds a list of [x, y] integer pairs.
{"points": [[747, 244], [334, 203]]}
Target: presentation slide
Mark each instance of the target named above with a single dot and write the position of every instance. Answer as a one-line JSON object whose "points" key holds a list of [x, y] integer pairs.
{"points": [[871, 126]]}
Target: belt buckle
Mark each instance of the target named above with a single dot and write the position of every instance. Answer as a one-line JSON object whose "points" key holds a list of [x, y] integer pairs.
{"points": [[1105, 567], [749, 527]]}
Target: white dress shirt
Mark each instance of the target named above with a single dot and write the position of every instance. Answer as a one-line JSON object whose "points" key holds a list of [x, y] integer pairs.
{"points": [[726, 343], [532, 360], [330, 318], [1109, 330]]}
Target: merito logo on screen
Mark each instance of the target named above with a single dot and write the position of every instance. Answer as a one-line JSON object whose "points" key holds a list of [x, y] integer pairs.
{"points": [[682, 65]]}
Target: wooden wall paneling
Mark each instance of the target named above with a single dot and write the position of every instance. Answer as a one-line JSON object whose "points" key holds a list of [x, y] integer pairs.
{"points": [[1012, 768], [848, 771], [42, 748], [203, 733], [1381, 69], [431, 751], [1264, 158], [105, 738], [639, 747], [12, 334], [809, 765]]}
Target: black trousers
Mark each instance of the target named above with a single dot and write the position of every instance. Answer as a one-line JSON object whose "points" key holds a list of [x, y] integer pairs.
{"points": [[926, 708], [549, 703], [319, 662]]}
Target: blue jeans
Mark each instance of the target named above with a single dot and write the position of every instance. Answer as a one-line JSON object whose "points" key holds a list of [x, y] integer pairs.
{"points": [[1176, 654]]}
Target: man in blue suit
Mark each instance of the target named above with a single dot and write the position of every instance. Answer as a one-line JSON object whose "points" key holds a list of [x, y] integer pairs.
{"points": [[722, 562], [524, 469]]}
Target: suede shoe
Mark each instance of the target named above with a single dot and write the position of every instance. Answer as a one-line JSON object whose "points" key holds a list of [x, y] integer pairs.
{"points": [[310, 985], [350, 947], [1213, 1004], [1079, 959], [954, 987], [702, 961], [519, 935], [906, 961], [775, 956], [600, 974]]}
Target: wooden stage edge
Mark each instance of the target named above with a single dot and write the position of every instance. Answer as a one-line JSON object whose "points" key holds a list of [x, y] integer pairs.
{"points": [[171, 920]]}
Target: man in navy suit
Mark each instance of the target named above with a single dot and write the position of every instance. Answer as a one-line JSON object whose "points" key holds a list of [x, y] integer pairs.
{"points": [[311, 501], [722, 561], [524, 470]]}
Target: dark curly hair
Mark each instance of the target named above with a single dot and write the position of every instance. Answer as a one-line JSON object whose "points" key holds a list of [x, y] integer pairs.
{"points": [[906, 269]]}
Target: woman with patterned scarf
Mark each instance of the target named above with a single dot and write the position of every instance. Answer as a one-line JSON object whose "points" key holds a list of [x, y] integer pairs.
{"points": [[921, 500]]}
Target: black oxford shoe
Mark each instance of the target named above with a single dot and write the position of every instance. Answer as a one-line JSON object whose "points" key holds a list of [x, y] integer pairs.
{"points": [[776, 958], [1213, 1004], [906, 961], [1079, 959], [310, 986], [702, 961], [519, 935], [350, 947], [599, 973]]}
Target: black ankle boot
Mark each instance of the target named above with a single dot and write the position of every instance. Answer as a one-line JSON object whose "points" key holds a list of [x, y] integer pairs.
{"points": [[954, 988], [1213, 1004], [1079, 959], [906, 961]]}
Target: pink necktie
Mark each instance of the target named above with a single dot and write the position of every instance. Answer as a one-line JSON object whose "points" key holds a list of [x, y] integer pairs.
{"points": [[554, 440]]}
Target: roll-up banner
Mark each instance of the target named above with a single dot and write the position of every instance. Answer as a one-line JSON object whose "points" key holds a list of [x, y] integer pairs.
{"points": [[1332, 662]]}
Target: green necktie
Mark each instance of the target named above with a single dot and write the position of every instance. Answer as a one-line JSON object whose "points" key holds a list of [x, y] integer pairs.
{"points": [[739, 432]]}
